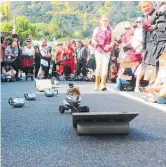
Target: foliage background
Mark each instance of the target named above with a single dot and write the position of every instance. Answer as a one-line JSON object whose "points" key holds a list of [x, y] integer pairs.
{"points": [[63, 20]]}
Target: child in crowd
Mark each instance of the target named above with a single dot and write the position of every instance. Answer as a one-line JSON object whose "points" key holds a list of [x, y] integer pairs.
{"points": [[124, 75], [8, 73]]}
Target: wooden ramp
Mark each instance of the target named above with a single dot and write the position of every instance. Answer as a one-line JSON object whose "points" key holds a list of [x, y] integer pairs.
{"points": [[102, 122]]}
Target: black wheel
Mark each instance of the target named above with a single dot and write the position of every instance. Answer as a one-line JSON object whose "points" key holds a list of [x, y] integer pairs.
{"points": [[61, 109], [26, 95], [85, 109], [73, 110], [79, 109], [10, 101]]}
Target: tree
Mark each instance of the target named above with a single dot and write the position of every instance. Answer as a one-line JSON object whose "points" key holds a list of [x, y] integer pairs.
{"points": [[24, 27], [52, 31], [6, 26], [5, 11]]}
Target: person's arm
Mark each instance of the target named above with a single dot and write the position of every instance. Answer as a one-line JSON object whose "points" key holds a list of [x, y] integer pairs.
{"points": [[144, 34], [61, 56], [24, 51], [15, 52], [19, 46], [55, 56], [94, 42], [42, 53], [154, 87], [120, 73], [8, 52], [126, 77], [4, 71], [158, 79]]}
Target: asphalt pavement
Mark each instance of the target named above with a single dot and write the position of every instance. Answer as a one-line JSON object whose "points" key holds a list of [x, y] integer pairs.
{"points": [[37, 135]]}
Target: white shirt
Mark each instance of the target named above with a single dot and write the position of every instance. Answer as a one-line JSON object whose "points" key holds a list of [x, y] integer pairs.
{"points": [[44, 53], [28, 51], [137, 39]]}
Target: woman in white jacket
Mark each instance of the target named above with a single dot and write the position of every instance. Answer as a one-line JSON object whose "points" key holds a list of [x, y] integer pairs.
{"points": [[138, 36]]}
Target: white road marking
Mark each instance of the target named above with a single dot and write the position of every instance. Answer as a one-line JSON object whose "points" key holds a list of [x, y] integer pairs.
{"points": [[154, 105]]}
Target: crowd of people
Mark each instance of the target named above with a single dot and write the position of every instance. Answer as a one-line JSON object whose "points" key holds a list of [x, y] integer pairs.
{"points": [[138, 55]]}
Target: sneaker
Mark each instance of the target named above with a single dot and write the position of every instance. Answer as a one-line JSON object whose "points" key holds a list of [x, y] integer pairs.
{"points": [[103, 89]]}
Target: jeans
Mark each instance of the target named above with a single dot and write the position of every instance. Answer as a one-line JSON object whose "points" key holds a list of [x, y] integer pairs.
{"points": [[3, 76], [81, 67], [120, 81], [161, 100]]}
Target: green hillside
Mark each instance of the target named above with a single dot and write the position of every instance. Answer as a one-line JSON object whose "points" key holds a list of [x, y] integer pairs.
{"points": [[71, 19]]}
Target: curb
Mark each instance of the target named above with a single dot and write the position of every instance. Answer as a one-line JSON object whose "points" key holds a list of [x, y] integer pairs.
{"points": [[154, 105]]}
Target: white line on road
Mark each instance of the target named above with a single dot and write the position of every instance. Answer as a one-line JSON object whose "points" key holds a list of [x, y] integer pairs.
{"points": [[154, 105]]}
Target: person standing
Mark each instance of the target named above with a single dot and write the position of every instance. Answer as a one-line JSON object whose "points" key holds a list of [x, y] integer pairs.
{"points": [[102, 39], [147, 43], [82, 55], [44, 62], [37, 60]]}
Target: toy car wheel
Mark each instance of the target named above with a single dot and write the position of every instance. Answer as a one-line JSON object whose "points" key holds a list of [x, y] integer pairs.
{"points": [[73, 110], [10, 101], [61, 109], [79, 109], [85, 109]]}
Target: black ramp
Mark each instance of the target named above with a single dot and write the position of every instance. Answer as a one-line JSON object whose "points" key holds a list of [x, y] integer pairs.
{"points": [[102, 122]]}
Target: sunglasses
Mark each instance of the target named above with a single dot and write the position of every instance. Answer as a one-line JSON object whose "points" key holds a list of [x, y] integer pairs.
{"points": [[127, 28], [104, 20], [138, 21]]}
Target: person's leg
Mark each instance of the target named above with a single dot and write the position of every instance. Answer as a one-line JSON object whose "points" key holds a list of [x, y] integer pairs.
{"points": [[36, 71], [98, 58], [26, 73], [106, 58], [84, 68], [3, 77], [119, 82], [42, 73], [162, 96], [78, 68], [141, 72]]}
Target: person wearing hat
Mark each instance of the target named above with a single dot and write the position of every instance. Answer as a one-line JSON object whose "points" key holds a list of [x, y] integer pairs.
{"points": [[137, 38], [28, 50], [148, 69], [128, 34], [136, 66], [44, 62], [102, 40]]}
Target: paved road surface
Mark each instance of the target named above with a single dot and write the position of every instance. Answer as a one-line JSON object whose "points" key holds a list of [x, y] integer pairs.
{"points": [[39, 136]]}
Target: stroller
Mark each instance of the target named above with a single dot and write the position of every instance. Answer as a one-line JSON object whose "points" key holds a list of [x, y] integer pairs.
{"points": [[73, 103], [28, 66]]}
